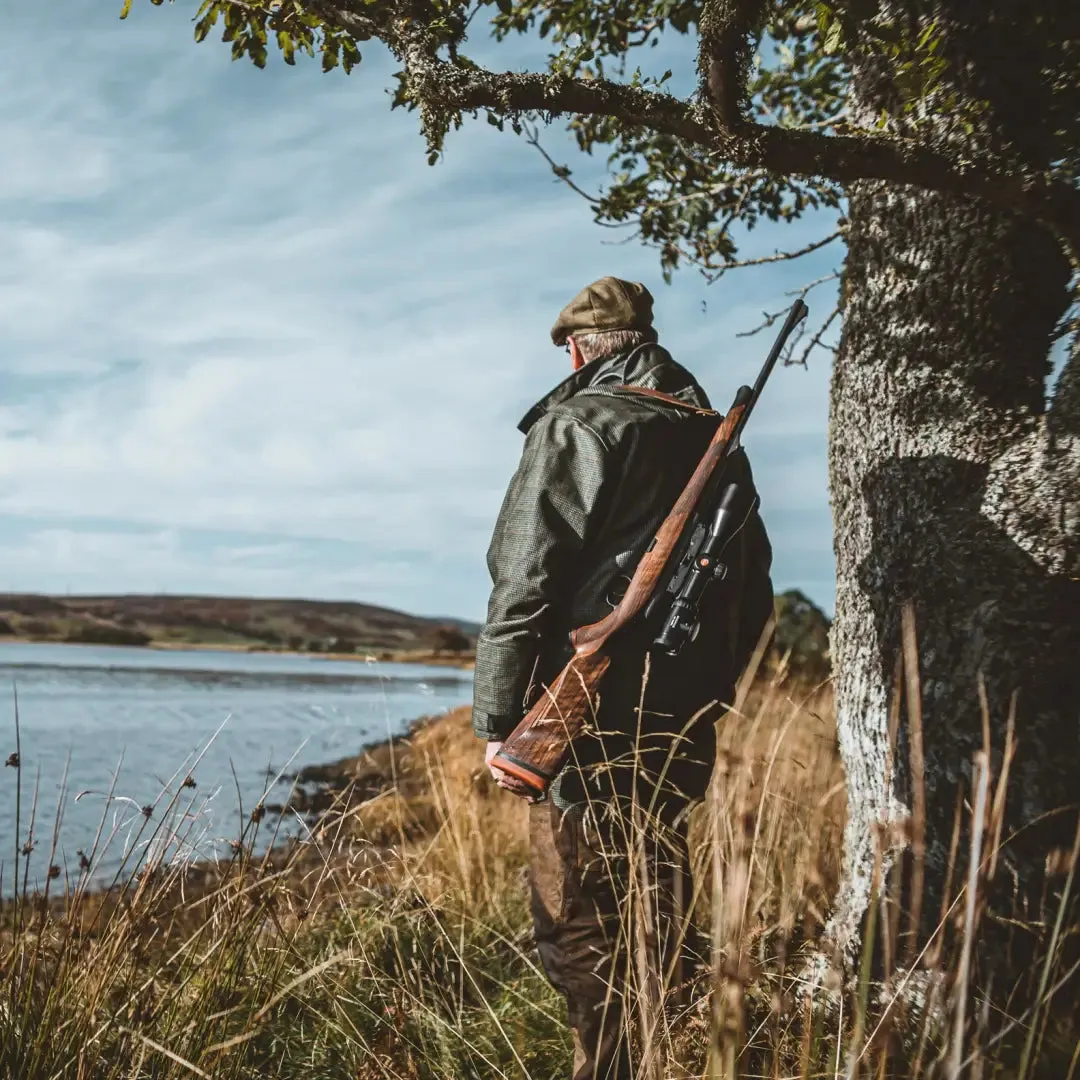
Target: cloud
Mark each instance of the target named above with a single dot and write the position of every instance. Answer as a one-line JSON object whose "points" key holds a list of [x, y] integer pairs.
{"points": [[255, 344]]}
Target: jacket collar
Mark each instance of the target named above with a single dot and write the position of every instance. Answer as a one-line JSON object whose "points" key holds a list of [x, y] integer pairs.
{"points": [[649, 365]]}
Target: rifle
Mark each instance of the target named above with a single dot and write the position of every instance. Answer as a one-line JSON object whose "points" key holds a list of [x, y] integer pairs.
{"points": [[696, 530]]}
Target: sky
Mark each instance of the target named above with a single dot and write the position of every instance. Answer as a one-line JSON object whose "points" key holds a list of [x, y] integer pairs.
{"points": [[252, 344]]}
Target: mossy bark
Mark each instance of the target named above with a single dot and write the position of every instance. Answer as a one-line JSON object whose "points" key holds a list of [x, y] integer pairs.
{"points": [[954, 471]]}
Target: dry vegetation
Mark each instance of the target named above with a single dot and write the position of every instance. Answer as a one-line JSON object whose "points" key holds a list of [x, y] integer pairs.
{"points": [[395, 941]]}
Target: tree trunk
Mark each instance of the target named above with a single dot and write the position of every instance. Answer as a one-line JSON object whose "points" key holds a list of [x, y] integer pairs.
{"points": [[954, 489]]}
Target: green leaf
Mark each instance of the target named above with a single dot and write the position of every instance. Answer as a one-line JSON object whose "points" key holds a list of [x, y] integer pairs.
{"points": [[834, 39], [285, 44], [350, 55], [824, 14], [125, 11]]}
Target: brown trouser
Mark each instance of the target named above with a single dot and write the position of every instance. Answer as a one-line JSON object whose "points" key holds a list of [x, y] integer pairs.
{"points": [[579, 876]]}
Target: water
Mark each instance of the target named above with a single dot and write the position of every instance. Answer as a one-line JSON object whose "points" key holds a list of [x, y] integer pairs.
{"points": [[153, 712]]}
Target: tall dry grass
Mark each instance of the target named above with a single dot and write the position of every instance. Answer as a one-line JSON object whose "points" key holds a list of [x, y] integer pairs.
{"points": [[394, 940]]}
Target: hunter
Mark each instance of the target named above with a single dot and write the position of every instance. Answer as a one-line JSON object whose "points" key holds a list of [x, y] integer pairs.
{"points": [[606, 454]]}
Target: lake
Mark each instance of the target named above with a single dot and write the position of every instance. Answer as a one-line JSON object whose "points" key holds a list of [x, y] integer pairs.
{"points": [[233, 721]]}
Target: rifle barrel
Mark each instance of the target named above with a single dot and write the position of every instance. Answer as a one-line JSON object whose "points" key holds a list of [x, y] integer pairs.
{"points": [[798, 312]]}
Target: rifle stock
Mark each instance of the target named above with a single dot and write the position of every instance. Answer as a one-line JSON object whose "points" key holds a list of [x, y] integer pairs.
{"points": [[538, 747]]}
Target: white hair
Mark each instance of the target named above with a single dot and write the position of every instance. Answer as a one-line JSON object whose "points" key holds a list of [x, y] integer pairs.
{"points": [[607, 343]]}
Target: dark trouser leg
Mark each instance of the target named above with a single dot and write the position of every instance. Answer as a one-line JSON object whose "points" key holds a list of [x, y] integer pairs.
{"points": [[579, 894], [575, 916], [679, 948]]}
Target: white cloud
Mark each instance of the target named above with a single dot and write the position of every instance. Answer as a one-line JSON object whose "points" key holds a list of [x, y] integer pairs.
{"points": [[239, 302]]}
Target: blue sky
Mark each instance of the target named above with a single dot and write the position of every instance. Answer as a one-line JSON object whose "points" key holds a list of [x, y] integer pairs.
{"points": [[253, 344]]}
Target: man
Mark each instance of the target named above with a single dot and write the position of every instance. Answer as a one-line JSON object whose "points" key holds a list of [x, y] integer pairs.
{"points": [[606, 454]]}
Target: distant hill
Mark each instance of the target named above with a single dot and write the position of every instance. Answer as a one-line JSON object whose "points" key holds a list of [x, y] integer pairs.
{"points": [[337, 626], [299, 625]]}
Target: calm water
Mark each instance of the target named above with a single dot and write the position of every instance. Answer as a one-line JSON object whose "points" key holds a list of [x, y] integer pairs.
{"points": [[153, 713]]}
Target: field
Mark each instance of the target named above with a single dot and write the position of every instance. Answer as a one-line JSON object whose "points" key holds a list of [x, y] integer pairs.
{"points": [[394, 942]]}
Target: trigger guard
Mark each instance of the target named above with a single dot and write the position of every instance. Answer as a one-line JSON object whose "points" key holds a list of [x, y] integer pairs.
{"points": [[615, 593]]}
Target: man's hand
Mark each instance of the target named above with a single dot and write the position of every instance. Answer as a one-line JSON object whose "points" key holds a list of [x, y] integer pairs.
{"points": [[505, 780]]}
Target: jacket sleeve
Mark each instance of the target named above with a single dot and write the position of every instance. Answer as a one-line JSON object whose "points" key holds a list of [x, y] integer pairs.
{"points": [[546, 516]]}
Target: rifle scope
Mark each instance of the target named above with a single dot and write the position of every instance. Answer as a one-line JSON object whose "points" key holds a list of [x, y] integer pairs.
{"points": [[702, 567]]}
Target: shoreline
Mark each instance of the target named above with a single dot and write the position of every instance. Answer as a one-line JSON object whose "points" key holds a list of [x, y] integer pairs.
{"points": [[317, 793], [462, 661]]}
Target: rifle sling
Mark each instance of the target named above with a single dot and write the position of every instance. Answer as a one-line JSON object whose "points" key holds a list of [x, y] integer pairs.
{"points": [[658, 395]]}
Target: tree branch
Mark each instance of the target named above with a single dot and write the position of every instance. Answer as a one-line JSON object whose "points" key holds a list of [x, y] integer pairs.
{"points": [[444, 89], [342, 15], [780, 256], [724, 57], [841, 158], [562, 172], [815, 342]]}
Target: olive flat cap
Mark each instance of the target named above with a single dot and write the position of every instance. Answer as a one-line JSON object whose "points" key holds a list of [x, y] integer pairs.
{"points": [[607, 304]]}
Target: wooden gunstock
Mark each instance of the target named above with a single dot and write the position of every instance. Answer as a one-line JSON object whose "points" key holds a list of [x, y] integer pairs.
{"points": [[537, 749]]}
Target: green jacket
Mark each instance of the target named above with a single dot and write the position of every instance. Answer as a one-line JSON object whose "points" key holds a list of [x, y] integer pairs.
{"points": [[599, 471]]}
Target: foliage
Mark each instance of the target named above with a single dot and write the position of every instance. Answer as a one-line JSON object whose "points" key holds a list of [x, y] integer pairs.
{"points": [[450, 639], [106, 634], [769, 133], [802, 635]]}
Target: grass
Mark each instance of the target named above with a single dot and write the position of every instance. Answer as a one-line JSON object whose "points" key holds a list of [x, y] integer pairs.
{"points": [[394, 941]]}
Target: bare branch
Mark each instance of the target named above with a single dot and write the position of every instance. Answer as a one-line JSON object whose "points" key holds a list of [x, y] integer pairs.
{"points": [[804, 290], [779, 256], [532, 137], [815, 341], [771, 317], [768, 318]]}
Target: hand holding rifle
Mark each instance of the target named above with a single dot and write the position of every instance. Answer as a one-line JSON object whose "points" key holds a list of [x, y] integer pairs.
{"points": [[503, 779]]}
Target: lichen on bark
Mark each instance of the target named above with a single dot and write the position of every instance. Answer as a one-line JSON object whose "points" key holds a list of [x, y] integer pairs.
{"points": [[952, 492]]}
